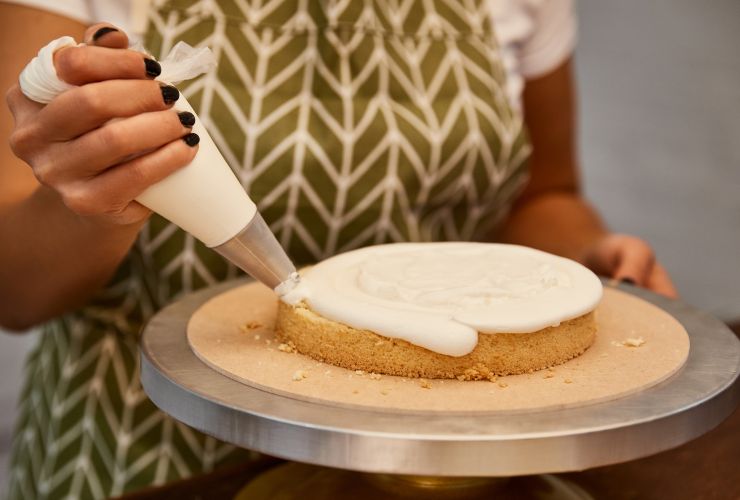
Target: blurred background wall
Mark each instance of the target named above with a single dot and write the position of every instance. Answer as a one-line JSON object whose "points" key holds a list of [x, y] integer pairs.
{"points": [[13, 350], [659, 85], [660, 134]]}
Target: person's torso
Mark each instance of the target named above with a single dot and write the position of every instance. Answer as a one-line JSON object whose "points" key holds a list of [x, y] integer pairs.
{"points": [[349, 123]]}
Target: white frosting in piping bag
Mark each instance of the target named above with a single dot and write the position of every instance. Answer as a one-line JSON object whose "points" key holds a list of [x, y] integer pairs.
{"points": [[440, 295]]}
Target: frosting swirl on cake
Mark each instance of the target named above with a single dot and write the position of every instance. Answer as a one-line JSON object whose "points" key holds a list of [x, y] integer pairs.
{"points": [[440, 295]]}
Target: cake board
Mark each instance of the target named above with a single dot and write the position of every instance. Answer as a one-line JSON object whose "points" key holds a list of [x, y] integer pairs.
{"points": [[692, 401], [638, 345]]}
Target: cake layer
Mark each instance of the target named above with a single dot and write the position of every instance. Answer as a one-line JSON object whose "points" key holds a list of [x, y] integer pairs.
{"points": [[439, 296], [495, 354]]}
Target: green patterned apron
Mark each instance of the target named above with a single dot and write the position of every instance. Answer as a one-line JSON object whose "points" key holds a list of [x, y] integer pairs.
{"points": [[350, 123]]}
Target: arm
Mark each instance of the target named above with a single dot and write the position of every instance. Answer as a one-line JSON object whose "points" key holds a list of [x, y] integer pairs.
{"points": [[64, 235], [551, 214]]}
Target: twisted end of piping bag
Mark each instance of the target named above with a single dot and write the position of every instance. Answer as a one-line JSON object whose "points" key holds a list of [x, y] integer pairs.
{"points": [[40, 83]]}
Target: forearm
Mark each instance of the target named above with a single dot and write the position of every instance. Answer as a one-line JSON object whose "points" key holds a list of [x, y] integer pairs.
{"points": [[53, 260], [560, 222], [551, 214]]}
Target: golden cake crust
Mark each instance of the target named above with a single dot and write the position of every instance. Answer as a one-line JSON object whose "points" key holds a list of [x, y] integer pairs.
{"points": [[496, 354]]}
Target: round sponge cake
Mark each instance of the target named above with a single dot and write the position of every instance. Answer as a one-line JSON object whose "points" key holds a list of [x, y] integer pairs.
{"points": [[496, 354], [442, 310]]}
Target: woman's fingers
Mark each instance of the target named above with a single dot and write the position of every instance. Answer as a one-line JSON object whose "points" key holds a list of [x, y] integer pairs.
{"points": [[133, 213], [82, 109], [119, 140], [627, 258], [112, 191], [660, 282], [21, 107], [88, 64], [105, 35], [635, 261]]}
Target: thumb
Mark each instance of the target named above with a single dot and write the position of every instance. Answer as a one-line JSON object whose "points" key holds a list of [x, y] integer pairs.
{"points": [[106, 35], [635, 261]]}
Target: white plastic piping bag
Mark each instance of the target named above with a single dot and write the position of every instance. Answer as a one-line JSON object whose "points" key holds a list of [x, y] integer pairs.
{"points": [[38, 80]]}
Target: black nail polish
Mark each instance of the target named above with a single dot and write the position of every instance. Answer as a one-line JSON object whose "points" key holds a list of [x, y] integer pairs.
{"points": [[191, 139], [186, 118], [170, 94], [103, 31], [153, 69], [629, 281]]}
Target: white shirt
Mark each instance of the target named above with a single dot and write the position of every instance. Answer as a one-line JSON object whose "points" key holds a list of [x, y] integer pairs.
{"points": [[535, 36]]}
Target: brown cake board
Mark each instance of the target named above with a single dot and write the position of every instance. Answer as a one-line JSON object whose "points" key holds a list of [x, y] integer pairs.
{"points": [[637, 346]]}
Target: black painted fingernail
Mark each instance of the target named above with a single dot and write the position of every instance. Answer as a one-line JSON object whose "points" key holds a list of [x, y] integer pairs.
{"points": [[170, 94], [186, 118], [153, 69], [103, 31], [191, 139], [629, 281]]}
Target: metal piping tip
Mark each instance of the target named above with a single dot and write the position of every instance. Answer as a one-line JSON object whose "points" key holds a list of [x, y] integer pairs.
{"points": [[256, 251]]}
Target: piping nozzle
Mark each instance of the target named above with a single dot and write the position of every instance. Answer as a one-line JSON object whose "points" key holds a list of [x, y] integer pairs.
{"points": [[257, 252]]}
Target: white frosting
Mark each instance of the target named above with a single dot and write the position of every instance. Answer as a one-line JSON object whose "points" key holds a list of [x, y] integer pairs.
{"points": [[288, 285], [440, 295]]}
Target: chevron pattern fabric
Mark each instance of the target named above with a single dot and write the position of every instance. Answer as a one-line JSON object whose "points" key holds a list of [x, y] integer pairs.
{"points": [[350, 123]]}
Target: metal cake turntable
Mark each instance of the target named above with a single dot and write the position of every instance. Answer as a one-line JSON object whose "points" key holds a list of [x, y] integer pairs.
{"points": [[371, 454]]}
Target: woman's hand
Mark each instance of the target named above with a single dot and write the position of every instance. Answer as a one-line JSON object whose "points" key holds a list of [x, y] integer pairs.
{"points": [[101, 144], [630, 259]]}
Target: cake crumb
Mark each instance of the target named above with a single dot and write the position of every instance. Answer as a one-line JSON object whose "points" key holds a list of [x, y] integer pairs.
{"points": [[634, 342], [424, 383], [479, 372], [384, 393], [374, 376], [629, 342], [550, 374], [289, 347], [252, 325], [568, 381], [360, 372], [503, 385], [256, 337], [327, 373], [299, 375]]}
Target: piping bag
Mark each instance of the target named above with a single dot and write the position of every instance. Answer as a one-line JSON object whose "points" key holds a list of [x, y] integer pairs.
{"points": [[204, 198]]}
